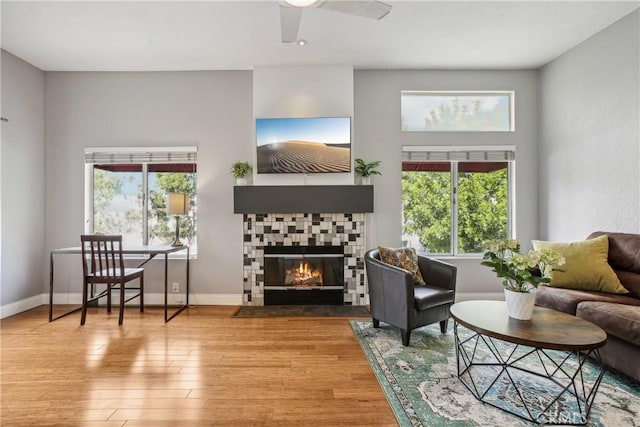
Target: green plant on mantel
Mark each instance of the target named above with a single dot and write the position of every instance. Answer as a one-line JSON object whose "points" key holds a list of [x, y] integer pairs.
{"points": [[241, 169], [367, 169]]}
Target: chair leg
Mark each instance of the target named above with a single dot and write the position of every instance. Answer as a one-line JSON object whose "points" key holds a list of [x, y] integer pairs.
{"points": [[141, 293], [443, 326], [406, 336], [108, 297], [376, 322], [122, 288], [83, 316]]}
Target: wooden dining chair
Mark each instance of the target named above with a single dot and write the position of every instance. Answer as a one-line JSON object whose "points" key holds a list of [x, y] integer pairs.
{"points": [[102, 263]]}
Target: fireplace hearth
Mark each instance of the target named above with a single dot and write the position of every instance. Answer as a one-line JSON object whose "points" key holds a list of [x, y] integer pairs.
{"points": [[304, 275]]}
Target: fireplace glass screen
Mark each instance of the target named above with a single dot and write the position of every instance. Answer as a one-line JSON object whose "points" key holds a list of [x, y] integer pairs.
{"points": [[304, 267], [304, 275]]}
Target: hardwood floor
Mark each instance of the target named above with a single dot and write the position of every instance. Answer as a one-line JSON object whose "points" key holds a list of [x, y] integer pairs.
{"points": [[204, 367]]}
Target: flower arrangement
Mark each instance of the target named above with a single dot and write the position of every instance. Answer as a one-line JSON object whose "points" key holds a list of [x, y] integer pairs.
{"points": [[520, 273]]}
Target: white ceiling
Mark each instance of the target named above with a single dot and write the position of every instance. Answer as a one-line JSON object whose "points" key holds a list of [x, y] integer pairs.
{"points": [[223, 35]]}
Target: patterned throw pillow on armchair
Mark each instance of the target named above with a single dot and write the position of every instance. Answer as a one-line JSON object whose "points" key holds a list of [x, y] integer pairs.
{"points": [[405, 258]]}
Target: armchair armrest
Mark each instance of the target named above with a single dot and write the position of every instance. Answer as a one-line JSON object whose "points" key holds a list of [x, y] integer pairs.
{"points": [[382, 275], [396, 277], [438, 273], [390, 290]]}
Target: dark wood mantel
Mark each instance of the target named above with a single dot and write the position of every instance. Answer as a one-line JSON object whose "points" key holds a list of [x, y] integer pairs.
{"points": [[303, 199]]}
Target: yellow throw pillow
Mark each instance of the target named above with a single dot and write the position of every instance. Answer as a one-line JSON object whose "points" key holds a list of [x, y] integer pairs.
{"points": [[405, 258], [586, 267]]}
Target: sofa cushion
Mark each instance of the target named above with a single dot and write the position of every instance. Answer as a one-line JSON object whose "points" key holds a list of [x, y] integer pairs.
{"points": [[624, 257], [429, 296], [585, 266], [630, 281], [405, 258], [567, 300], [624, 250], [620, 320]]}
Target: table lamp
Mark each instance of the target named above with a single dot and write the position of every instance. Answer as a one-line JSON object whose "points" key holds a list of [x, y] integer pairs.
{"points": [[177, 204]]}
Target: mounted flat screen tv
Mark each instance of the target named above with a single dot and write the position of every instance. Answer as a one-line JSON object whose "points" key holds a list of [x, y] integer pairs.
{"points": [[304, 145]]}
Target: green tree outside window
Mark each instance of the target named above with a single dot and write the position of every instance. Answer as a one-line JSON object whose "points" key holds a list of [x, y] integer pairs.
{"points": [[482, 209], [118, 200], [159, 223]]}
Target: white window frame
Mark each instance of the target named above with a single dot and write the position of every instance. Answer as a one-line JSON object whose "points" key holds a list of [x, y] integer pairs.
{"points": [[449, 151], [144, 152]]}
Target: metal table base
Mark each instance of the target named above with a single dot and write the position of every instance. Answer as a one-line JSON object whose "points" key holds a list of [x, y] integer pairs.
{"points": [[556, 393], [150, 251]]}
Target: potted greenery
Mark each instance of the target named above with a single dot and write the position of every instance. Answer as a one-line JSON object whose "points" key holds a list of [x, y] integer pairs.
{"points": [[240, 170], [521, 274], [365, 170]]}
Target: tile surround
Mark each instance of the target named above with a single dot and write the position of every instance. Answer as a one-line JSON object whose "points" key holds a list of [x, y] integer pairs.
{"points": [[303, 229]]}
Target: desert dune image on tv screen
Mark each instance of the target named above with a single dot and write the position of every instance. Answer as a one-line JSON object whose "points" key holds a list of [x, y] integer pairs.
{"points": [[304, 145]]}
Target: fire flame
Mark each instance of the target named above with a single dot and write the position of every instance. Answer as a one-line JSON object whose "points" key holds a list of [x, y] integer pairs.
{"points": [[303, 275], [304, 269]]}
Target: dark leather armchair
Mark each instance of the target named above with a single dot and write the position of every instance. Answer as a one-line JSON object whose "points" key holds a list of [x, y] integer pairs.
{"points": [[394, 299]]}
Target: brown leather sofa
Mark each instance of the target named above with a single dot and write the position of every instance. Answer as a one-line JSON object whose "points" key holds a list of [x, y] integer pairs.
{"points": [[617, 314]]}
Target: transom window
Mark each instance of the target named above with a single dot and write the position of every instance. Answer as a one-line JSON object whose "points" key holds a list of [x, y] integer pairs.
{"points": [[438, 111], [127, 191], [454, 201]]}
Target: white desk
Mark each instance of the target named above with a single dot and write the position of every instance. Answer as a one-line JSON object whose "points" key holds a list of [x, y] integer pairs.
{"points": [[147, 250]]}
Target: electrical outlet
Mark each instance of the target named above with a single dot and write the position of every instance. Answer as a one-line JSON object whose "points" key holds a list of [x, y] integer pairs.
{"points": [[176, 287]]}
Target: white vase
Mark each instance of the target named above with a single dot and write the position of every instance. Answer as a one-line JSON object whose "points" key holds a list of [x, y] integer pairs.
{"points": [[241, 181], [365, 180], [520, 304]]}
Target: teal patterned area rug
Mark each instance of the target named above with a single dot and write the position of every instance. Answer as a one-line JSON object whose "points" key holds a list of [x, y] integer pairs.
{"points": [[422, 387]]}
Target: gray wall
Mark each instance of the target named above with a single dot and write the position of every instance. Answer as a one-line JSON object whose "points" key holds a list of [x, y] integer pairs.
{"points": [[377, 129], [589, 152], [303, 91], [22, 181], [584, 175], [209, 109]]}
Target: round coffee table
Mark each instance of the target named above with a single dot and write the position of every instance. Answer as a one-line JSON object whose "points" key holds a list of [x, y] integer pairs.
{"points": [[535, 369]]}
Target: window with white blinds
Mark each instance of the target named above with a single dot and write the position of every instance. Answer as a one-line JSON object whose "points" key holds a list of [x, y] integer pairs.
{"points": [[435, 154], [455, 199], [127, 188], [127, 155]]}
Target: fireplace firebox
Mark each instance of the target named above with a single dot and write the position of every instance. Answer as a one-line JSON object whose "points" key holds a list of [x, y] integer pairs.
{"points": [[303, 275]]}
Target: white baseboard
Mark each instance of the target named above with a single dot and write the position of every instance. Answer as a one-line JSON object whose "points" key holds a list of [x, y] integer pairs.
{"points": [[70, 298], [149, 299], [194, 299], [466, 296], [23, 305], [215, 299], [158, 299]]}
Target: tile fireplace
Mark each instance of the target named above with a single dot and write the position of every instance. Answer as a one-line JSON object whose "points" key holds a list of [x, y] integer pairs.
{"points": [[331, 244], [282, 223]]}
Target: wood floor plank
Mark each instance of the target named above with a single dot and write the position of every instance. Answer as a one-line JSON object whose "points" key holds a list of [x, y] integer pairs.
{"points": [[75, 423], [132, 403], [183, 417], [203, 368]]}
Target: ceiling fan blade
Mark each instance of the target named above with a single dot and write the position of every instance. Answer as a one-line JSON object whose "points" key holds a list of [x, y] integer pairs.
{"points": [[289, 23], [372, 9]]}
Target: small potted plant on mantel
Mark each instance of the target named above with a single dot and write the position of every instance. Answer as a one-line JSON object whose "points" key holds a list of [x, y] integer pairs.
{"points": [[521, 274], [240, 170], [365, 170]]}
